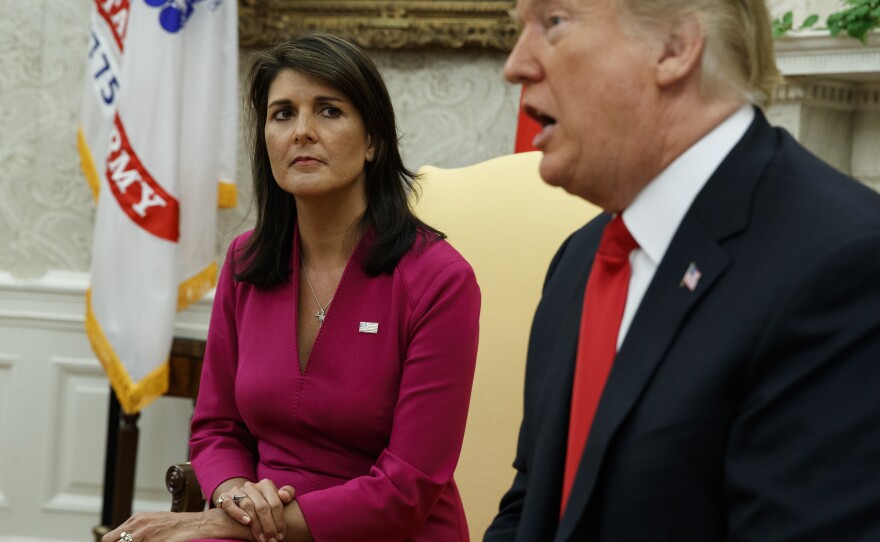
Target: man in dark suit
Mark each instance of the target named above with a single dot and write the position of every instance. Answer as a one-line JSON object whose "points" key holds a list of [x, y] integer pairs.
{"points": [[741, 396]]}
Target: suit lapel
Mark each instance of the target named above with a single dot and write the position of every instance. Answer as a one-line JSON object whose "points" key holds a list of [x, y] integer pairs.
{"points": [[720, 210], [664, 307]]}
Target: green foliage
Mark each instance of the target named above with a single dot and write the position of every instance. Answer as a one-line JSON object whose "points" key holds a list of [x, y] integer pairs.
{"points": [[782, 26], [857, 20], [786, 24]]}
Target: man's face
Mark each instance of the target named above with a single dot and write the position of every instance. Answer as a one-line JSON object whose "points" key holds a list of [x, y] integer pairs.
{"points": [[590, 82]]}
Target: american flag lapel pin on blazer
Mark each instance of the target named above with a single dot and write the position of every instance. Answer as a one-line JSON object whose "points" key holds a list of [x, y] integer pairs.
{"points": [[368, 327], [691, 277]]}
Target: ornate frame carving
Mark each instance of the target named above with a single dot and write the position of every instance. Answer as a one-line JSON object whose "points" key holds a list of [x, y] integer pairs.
{"points": [[383, 24]]}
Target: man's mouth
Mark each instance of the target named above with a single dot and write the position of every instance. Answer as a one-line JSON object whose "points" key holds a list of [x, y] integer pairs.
{"points": [[540, 117], [547, 123]]}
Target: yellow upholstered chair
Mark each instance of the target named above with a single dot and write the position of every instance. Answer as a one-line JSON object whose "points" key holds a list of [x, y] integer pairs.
{"points": [[508, 224]]}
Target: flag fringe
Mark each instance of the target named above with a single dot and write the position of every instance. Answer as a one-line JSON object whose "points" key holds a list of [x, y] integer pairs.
{"points": [[192, 289], [133, 397], [227, 195], [87, 163]]}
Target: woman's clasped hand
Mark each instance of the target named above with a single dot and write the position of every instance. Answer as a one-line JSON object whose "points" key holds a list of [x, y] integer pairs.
{"points": [[258, 505]]}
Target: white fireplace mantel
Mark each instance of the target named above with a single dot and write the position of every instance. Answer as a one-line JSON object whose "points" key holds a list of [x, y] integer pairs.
{"points": [[831, 99], [816, 53]]}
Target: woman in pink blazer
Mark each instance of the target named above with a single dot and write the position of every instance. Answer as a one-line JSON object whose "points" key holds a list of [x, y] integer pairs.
{"points": [[343, 337]]}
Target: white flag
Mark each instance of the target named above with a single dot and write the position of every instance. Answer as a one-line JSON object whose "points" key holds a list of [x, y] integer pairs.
{"points": [[158, 145]]}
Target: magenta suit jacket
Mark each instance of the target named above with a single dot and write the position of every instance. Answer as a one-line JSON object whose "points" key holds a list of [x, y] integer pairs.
{"points": [[370, 433]]}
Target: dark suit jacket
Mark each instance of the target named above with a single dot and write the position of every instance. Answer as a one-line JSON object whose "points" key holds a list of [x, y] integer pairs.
{"points": [[747, 409]]}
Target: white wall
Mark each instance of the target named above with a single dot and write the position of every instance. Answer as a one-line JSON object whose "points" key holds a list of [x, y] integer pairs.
{"points": [[53, 414]]}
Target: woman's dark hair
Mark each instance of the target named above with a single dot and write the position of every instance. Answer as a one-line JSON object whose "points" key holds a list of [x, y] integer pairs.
{"points": [[265, 258]]}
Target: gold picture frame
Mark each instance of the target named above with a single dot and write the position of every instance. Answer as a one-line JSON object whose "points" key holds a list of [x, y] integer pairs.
{"points": [[383, 24]]}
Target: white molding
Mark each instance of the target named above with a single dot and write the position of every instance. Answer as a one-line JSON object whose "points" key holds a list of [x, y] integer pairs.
{"points": [[817, 53], [825, 93], [7, 361], [67, 499], [53, 302], [829, 93], [56, 302], [868, 98], [70, 503], [53, 282]]}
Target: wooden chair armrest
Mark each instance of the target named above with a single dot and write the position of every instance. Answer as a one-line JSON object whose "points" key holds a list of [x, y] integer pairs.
{"points": [[186, 494]]}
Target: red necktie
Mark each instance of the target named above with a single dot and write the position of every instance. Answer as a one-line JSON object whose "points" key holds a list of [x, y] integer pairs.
{"points": [[604, 301]]}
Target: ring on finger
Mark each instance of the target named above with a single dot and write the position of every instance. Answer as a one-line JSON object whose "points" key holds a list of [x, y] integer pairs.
{"points": [[125, 537], [237, 498]]}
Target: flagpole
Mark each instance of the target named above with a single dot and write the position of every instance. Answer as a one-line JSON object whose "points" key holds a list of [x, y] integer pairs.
{"points": [[110, 458], [120, 463]]}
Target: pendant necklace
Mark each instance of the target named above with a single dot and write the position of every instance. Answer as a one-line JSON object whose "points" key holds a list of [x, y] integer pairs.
{"points": [[322, 309]]}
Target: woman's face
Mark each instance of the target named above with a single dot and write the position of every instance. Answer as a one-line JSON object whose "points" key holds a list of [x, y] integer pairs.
{"points": [[316, 140]]}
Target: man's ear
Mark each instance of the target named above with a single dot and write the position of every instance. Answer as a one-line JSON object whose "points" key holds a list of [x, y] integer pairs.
{"points": [[682, 50]]}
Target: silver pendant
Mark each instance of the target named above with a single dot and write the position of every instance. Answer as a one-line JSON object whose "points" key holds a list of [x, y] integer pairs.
{"points": [[320, 315]]}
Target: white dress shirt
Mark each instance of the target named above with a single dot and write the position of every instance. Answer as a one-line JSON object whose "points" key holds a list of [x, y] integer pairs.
{"points": [[655, 214]]}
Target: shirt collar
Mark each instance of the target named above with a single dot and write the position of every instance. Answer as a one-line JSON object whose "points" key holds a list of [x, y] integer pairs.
{"points": [[654, 215]]}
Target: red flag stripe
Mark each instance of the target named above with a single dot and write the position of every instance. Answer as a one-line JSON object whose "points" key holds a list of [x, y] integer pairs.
{"points": [[137, 192], [115, 13]]}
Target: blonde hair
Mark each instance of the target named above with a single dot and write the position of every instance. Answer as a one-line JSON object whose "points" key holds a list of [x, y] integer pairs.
{"points": [[738, 60]]}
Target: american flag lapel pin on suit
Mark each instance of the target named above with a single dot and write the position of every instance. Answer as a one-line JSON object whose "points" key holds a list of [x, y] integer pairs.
{"points": [[691, 277], [368, 327]]}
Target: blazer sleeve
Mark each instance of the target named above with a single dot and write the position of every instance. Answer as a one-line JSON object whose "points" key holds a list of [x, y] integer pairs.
{"points": [[428, 423], [803, 459], [221, 446]]}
